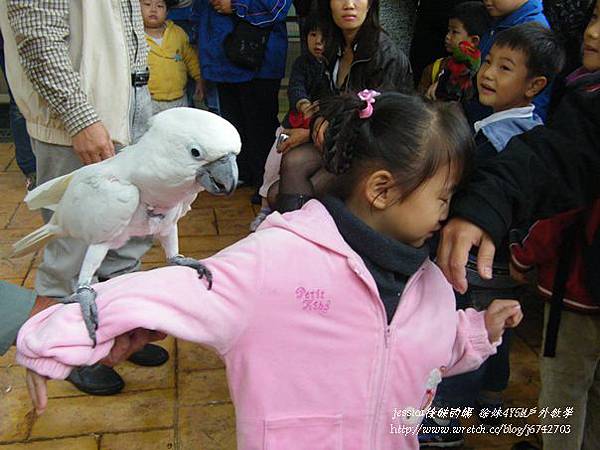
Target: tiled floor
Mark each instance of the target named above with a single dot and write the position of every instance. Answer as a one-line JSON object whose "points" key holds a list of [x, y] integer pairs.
{"points": [[184, 404]]}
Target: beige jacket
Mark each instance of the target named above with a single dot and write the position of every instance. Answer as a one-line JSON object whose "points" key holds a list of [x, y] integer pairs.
{"points": [[98, 51]]}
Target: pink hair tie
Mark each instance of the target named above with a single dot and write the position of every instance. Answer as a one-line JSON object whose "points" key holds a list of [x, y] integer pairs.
{"points": [[367, 95]]}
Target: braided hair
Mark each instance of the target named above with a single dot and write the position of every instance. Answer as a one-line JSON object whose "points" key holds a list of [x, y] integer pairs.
{"points": [[406, 135]]}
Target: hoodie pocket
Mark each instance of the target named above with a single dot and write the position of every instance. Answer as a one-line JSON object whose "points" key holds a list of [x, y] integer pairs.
{"points": [[302, 433]]}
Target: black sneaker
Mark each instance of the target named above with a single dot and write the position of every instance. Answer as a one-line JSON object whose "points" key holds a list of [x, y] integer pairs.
{"points": [[150, 356], [97, 380]]}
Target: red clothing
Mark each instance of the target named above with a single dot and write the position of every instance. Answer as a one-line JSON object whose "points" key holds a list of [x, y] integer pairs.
{"points": [[541, 247]]}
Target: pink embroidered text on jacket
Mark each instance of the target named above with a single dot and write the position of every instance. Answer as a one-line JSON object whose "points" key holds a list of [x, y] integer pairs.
{"points": [[295, 314]]}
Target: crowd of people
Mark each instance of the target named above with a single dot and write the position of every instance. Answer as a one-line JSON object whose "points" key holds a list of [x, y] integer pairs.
{"points": [[482, 147]]}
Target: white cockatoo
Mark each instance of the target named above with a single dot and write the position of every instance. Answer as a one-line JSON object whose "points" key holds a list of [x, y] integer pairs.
{"points": [[143, 190]]}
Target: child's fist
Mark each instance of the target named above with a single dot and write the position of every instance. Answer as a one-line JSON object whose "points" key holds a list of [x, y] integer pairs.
{"points": [[502, 314]]}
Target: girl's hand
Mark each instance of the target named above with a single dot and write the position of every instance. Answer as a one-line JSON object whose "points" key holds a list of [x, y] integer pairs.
{"points": [[297, 136], [308, 108], [222, 6], [319, 129], [502, 314]]}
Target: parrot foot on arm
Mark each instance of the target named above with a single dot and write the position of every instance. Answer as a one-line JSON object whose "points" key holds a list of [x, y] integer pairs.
{"points": [[86, 297], [180, 260]]}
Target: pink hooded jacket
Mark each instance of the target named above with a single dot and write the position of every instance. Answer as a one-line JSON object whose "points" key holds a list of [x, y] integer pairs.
{"points": [[297, 318]]}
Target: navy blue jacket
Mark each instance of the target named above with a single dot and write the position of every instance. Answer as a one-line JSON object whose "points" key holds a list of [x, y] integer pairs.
{"points": [[532, 11], [212, 28]]}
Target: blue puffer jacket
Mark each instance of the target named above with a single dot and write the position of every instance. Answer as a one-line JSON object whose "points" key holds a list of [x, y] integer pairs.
{"points": [[532, 11], [212, 28]]}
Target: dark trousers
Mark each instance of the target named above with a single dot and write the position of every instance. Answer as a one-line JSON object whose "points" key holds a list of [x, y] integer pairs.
{"points": [[493, 375], [252, 108], [18, 127]]}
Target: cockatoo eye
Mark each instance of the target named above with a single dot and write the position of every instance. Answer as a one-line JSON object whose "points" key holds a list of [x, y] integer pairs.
{"points": [[195, 153]]}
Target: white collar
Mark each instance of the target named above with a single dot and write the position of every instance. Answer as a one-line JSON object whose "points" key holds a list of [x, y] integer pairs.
{"points": [[514, 113]]}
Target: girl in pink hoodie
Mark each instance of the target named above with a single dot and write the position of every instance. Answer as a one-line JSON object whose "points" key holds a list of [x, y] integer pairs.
{"points": [[334, 325]]}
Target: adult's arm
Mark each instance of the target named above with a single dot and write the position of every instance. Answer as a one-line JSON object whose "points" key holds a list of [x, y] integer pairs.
{"points": [[261, 12], [15, 307], [172, 300], [541, 173]]}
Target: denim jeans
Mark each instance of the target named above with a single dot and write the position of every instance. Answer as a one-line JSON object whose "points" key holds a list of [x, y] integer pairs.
{"points": [[18, 128]]}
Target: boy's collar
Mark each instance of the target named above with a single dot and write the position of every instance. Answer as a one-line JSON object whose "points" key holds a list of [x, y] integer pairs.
{"points": [[523, 112]]}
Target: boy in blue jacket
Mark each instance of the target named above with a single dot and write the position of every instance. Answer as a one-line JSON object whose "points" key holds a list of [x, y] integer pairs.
{"points": [[506, 14]]}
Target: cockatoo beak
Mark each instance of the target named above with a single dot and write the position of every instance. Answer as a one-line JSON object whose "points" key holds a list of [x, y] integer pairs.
{"points": [[219, 177]]}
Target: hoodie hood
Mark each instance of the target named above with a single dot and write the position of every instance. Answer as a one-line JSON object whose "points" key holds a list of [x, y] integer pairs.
{"points": [[313, 223]]}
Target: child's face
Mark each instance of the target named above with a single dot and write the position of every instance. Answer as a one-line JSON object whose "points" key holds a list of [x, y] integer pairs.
{"points": [[316, 44], [455, 35], [503, 80], [416, 218], [154, 13], [501, 8], [591, 42]]}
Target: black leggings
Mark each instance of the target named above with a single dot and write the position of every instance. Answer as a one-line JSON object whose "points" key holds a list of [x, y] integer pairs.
{"points": [[302, 172]]}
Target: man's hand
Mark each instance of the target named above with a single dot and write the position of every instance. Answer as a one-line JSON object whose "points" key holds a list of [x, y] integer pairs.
{"points": [[457, 238], [502, 314], [127, 344], [93, 144], [124, 346], [199, 91], [297, 136], [222, 6]]}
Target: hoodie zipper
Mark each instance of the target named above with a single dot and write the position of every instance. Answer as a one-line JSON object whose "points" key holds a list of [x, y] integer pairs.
{"points": [[384, 362]]}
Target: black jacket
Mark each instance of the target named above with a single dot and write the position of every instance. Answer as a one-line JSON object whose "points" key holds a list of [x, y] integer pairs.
{"points": [[385, 69], [542, 172], [307, 80]]}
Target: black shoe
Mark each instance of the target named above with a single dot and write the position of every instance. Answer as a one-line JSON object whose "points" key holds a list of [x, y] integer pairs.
{"points": [[97, 380], [150, 356]]}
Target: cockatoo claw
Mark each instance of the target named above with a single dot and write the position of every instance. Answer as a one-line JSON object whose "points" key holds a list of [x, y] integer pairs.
{"points": [[202, 270], [86, 297]]}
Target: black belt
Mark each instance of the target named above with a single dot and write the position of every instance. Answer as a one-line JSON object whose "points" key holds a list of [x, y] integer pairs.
{"points": [[140, 78]]}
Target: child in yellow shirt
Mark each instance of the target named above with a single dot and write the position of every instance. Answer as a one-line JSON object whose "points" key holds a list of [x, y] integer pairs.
{"points": [[171, 58]]}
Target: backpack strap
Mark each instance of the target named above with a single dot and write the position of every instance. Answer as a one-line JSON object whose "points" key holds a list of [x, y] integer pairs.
{"points": [[435, 70], [565, 262]]}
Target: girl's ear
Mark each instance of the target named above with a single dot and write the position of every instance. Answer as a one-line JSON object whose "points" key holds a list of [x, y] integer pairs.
{"points": [[475, 40], [379, 189]]}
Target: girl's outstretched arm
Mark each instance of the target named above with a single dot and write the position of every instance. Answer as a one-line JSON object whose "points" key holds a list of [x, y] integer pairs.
{"points": [[171, 300]]}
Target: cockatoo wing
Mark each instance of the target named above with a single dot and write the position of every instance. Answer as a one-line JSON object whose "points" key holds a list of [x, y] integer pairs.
{"points": [[48, 194], [97, 208]]}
